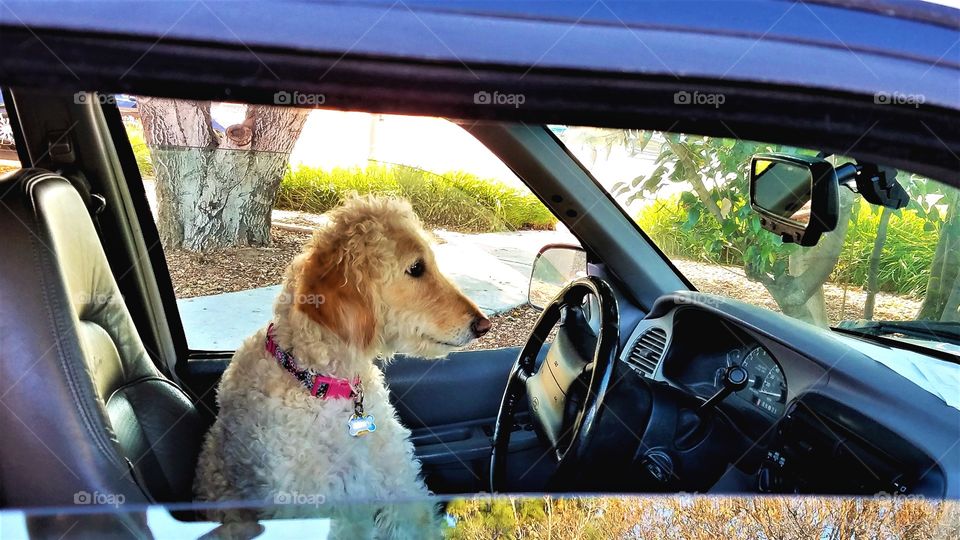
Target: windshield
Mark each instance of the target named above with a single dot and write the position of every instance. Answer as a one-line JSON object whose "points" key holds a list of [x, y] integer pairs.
{"points": [[690, 194]]}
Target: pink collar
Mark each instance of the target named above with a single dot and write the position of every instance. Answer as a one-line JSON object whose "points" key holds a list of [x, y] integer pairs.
{"points": [[319, 385]]}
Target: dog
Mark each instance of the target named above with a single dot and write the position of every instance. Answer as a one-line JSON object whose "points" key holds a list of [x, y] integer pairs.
{"points": [[304, 411]]}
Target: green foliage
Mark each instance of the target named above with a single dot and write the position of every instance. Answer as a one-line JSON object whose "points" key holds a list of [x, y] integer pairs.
{"points": [[714, 222], [455, 200], [140, 150], [907, 254], [904, 263]]}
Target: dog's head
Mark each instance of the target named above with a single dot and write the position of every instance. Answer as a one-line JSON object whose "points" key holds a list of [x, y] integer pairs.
{"points": [[371, 278]]}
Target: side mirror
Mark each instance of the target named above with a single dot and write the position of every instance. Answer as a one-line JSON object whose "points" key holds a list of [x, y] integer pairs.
{"points": [[554, 267], [796, 196]]}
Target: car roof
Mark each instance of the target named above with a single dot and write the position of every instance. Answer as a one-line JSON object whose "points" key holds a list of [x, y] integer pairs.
{"points": [[799, 73], [650, 37]]}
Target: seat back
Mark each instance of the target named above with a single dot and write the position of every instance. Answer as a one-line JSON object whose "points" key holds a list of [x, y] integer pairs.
{"points": [[84, 413]]}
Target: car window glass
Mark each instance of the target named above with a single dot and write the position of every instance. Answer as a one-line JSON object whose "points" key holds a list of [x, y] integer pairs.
{"points": [[8, 148], [690, 194], [211, 180]]}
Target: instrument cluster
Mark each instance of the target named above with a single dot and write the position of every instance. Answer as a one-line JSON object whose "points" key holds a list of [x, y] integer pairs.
{"points": [[766, 389]]}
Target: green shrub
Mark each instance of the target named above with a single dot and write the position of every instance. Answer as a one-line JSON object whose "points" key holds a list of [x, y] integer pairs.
{"points": [[906, 257], [140, 150], [664, 222], [904, 263], [455, 200]]}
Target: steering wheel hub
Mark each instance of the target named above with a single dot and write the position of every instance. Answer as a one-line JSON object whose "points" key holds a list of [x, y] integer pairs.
{"points": [[565, 392]]}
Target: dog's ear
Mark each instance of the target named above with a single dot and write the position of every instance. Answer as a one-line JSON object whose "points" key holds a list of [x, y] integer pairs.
{"points": [[329, 294]]}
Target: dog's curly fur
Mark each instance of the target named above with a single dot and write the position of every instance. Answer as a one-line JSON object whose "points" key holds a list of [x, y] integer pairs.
{"points": [[347, 299]]}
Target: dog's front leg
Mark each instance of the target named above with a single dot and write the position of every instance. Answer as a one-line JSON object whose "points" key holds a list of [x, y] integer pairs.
{"points": [[409, 520]]}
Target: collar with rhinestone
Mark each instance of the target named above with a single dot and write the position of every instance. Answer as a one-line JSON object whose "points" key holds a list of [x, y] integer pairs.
{"points": [[318, 385]]}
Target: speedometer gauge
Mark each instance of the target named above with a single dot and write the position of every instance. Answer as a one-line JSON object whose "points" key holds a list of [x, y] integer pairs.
{"points": [[767, 389]]}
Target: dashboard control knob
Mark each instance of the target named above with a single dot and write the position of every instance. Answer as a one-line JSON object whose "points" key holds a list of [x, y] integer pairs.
{"points": [[735, 378]]}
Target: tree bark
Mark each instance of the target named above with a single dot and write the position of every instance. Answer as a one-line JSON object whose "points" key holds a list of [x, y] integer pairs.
{"points": [[696, 181], [944, 270], [951, 309], [214, 193], [874, 268]]}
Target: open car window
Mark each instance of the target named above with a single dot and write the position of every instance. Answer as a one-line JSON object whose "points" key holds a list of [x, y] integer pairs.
{"points": [[237, 190]]}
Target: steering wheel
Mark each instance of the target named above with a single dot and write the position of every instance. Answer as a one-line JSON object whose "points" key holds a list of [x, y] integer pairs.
{"points": [[567, 424], [598, 416]]}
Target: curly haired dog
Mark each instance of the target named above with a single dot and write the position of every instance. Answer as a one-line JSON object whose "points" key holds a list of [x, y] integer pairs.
{"points": [[366, 285]]}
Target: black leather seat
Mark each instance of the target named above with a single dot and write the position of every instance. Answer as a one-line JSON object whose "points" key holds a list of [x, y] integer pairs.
{"points": [[84, 413]]}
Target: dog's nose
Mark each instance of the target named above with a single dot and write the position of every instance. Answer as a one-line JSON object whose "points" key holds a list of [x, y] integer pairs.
{"points": [[480, 326]]}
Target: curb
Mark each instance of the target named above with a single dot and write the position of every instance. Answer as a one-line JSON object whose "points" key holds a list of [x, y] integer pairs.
{"points": [[294, 228]]}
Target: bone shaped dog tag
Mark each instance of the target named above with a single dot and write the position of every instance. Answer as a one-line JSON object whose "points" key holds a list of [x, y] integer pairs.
{"points": [[359, 426]]}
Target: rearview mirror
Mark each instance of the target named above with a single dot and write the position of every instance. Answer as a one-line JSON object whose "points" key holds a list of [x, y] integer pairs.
{"points": [[796, 196], [554, 267]]}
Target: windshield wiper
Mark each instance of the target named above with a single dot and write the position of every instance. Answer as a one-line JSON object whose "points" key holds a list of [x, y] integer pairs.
{"points": [[938, 331]]}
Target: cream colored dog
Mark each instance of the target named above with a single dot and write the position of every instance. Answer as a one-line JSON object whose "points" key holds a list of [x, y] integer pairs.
{"points": [[366, 285]]}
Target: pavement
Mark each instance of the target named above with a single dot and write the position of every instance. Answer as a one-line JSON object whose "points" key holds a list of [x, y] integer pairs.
{"points": [[492, 268]]}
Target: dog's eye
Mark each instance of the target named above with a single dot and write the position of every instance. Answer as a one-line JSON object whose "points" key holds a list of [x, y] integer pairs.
{"points": [[416, 269]]}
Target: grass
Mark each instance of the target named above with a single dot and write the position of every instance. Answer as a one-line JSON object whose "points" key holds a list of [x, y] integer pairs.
{"points": [[662, 222], [904, 263], [906, 257], [140, 150], [455, 200]]}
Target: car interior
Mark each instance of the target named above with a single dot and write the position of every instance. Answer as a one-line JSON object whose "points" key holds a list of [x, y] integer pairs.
{"points": [[112, 399], [631, 381]]}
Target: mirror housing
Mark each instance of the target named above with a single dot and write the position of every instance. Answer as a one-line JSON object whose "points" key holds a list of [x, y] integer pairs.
{"points": [[555, 266], [795, 196]]}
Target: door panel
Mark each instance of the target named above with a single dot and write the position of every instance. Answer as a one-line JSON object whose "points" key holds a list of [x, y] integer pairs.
{"points": [[451, 405], [464, 386]]}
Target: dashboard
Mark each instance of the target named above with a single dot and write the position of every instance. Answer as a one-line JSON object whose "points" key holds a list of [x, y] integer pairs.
{"points": [[766, 388], [692, 349], [815, 415]]}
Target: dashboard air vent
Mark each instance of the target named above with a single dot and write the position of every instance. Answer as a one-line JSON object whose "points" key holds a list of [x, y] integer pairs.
{"points": [[648, 350]]}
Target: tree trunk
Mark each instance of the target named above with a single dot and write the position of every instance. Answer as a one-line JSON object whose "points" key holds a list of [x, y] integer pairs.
{"points": [[944, 269], [874, 268], [214, 193], [951, 309], [814, 309], [799, 291]]}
